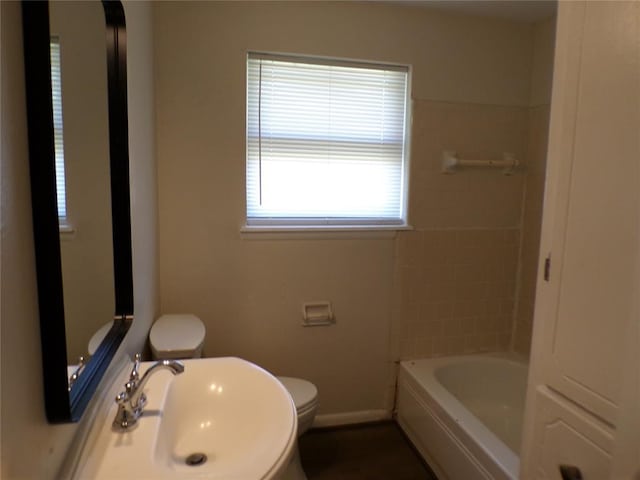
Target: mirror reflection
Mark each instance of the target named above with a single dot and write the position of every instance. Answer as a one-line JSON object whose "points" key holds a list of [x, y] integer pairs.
{"points": [[81, 132], [92, 204]]}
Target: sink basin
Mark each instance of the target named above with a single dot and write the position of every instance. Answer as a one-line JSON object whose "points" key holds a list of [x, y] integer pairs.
{"points": [[223, 418]]}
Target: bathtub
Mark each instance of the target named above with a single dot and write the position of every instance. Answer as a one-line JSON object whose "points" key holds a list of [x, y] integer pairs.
{"points": [[464, 414]]}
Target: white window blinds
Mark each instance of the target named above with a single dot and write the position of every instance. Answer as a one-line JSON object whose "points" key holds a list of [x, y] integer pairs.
{"points": [[325, 141], [56, 90]]}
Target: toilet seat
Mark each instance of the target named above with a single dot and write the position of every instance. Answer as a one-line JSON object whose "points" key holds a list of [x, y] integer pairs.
{"points": [[177, 336], [304, 393]]}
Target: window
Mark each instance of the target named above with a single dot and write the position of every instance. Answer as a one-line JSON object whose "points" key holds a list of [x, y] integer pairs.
{"points": [[326, 142], [56, 90]]}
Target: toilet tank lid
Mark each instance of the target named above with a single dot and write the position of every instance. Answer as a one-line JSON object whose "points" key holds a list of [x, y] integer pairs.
{"points": [[303, 392], [177, 332]]}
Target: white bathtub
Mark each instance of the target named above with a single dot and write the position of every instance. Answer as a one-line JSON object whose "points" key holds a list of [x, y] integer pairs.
{"points": [[464, 414]]}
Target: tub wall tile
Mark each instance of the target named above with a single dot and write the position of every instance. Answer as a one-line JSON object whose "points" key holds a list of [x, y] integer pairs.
{"points": [[461, 299], [465, 276]]}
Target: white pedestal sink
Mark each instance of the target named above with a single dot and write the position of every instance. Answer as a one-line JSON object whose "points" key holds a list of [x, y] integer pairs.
{"points": [[229, 417]]}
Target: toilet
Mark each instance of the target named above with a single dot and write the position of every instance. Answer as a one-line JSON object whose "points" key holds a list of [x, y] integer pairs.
{"points": [[177, 336], [305, 398]]}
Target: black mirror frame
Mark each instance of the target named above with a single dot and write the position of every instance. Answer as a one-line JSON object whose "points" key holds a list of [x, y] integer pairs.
{"points": [[62, 405]]}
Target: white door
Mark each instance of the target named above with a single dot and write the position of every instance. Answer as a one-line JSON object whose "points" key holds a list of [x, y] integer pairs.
{"points": [[586, 340], [595, 240]]}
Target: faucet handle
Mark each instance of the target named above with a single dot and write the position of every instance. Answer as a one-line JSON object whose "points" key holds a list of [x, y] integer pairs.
{"points": [[126, 418], [134, 376], [76, 373], [131, 389], [121, 398]]}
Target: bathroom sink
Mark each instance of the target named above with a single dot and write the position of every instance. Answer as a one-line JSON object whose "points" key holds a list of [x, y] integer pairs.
{"points": [[223, 418]]}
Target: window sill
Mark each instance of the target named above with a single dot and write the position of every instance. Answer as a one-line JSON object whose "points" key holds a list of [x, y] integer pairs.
{"points": [[325, 232], [67, 232]]}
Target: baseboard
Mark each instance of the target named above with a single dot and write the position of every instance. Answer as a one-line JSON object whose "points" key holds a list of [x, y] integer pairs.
{"points": [[350, 418]]}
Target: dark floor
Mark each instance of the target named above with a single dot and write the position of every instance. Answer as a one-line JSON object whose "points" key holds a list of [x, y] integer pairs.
{"points": [[377, 451]]}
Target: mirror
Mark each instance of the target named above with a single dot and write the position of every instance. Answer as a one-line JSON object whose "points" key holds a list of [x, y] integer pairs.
{"points": [[82, 242], [81, 140]]}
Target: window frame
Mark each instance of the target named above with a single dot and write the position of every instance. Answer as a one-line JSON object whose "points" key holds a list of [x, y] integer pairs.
{"points": [[286, 227]]}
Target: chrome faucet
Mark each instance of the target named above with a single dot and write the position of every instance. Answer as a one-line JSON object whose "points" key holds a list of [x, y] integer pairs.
{"points": [[132, 400]]}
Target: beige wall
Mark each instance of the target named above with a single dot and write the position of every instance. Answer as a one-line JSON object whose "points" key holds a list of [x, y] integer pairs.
{"points": [[249, 292], [544, 41], [31, 448], [544, 35], [142, 171]]}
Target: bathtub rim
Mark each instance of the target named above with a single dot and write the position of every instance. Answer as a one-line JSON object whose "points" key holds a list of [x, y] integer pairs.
{"points": [[455, 415]]}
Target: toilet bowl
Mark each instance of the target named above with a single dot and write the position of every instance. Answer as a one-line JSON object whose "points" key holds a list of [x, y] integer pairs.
{"points": [[305, 398], [177, 336]]}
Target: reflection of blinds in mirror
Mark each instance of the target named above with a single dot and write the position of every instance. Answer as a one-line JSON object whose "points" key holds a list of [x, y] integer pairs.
{"points": [[56, 90]]}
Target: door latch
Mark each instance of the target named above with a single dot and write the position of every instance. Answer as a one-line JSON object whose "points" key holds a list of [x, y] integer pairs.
{"points": [[547, 268]]}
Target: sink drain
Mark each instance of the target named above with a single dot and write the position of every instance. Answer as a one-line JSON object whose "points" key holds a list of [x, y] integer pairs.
{"points": [[196, 459]]}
